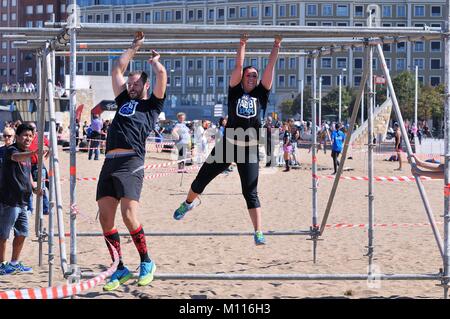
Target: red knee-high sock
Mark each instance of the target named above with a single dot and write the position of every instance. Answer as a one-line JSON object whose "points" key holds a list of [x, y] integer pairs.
{"points": [[113, 238], [138, 236]]}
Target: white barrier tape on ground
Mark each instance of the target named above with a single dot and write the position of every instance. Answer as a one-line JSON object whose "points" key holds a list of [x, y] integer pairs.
{"points": [[165, 164], [63, 291], [381, 178]]}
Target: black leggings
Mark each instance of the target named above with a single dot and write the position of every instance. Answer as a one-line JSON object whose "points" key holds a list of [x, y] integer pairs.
{"points": [[335, 156], [248, 172]]}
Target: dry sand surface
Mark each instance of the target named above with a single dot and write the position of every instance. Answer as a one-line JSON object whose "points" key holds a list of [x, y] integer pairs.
{"points": [[286, 204]]}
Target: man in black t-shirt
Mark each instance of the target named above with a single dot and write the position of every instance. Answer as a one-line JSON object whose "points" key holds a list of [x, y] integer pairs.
{"points": [[247, 99], [15, 192], [122, 173]]}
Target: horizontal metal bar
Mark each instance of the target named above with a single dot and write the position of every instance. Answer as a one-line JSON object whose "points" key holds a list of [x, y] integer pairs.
{"points": [[179, 53], [253, 30], [221, 276], [193, 234], [31, 31]]}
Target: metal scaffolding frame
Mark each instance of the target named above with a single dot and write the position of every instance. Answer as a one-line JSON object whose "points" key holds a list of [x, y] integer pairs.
{"points": [[56, 39]]}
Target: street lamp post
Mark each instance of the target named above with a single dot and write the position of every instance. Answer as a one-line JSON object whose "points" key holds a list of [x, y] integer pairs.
{"points": [[340, 93]]}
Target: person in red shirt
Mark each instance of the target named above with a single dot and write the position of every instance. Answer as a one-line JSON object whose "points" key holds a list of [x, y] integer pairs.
{"points": [[34, 168]]}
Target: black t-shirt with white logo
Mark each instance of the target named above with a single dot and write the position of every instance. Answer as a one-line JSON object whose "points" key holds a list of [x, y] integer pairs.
{"points": [[133, 122], [244, 109], [16, 185]]}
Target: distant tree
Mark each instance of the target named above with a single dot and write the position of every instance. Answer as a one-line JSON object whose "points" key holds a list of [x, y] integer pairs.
{"points": [[330, 102], [404, 86]]}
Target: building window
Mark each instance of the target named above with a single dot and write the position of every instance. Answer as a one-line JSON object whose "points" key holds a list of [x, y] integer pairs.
{"points": [[281, 81], [167, 15], [326, 80], [387, 47], [4, 3], [210, 81], [4, 45], [268, 11], [210, 64], [311, 24], [401, 11], [435, 64], [118, 17], [199, 14], [105, 66], [98, 18], [388, 63], [220, 64], [292, 63], [419, 46], [435, 46], [178, 15], [147, 17], [435, 80], [157, 16], [199, 64], [325, 63], [243, 12], [40, 9], [13, 17], [191, 15], [106, 18], [357, 80], [436, 25], [28, 24], [98, 66], [177, 81], [231, 13], [436, 11], [359, 11], [29, 10], [220, 81], [231, 64], [282, 11], [327, 10], [49, 8], [293, 10], [129, 18], [281, 63], [39, 24], [401, 65], [342, 24], [4, 59], [177, 64], [342, 10], [89, 67], [4, 17], [190, 81], [387, 11], [254, 12], [221, 14], [341, 63], [344, 80], [327, 24], [199, 80], [13, 3], [190, 64], [80, 67], [419, 63], [419, 11], [292, 80], [311, 10], [137, 18], [401, 46], [358, 63]]}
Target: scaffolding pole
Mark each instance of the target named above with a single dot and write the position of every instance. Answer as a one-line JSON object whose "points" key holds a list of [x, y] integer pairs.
{"points": [[200, 234], [55, 158], [74, 277], [398, 113], [446, 215]]}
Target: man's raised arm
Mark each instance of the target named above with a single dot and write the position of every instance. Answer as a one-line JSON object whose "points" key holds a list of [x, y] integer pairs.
{"points": [[118, 80], [159, 89]]}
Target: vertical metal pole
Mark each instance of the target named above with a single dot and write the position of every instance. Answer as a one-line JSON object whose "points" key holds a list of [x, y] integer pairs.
{"points": [[362, 108], [340, 97], [422, 192], [55, 159], [73, 104], [39, 219], [320, 102], [416, 95], [301, 100], [51, 210], [314, 176], [370, 146], [446, 265]]}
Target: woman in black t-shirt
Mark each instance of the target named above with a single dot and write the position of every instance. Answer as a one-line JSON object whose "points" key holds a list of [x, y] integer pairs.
{"points": [[247, 99]]}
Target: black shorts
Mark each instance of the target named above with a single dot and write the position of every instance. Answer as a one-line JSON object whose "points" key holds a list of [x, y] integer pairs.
{"points": [[121, 177]]}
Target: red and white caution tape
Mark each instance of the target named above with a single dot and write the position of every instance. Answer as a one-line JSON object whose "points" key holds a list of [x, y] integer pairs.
{"points": [[63, 291], [381, 178], [395, 225]]}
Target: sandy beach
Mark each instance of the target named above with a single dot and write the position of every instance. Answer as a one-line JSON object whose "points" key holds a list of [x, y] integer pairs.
{"points": [[286, 205]]}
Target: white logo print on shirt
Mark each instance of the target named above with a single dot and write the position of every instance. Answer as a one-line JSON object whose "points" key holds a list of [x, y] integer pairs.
{"points": [[129, 108], [246, 106]]}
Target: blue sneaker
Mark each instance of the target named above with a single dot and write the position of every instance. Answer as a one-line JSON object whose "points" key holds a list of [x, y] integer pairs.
{"points": [[20, 268], [6, 269], [182, 210], [259, 238], [146, 272], [119, 277]]}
